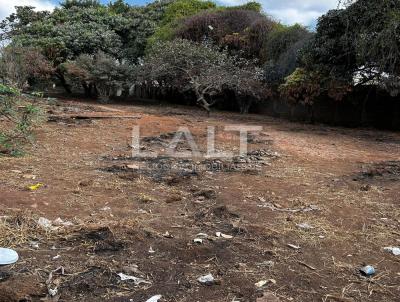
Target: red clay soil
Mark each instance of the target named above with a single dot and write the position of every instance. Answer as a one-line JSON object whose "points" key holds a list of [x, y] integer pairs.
{"points": [[312, 206]]}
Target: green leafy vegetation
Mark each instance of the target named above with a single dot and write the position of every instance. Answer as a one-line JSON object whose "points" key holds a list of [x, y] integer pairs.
{"points": [[18, 117], [110, 50]]}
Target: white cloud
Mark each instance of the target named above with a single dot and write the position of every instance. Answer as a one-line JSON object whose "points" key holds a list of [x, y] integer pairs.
{"points": [[7, 7], [290, 16], [305, 12]]}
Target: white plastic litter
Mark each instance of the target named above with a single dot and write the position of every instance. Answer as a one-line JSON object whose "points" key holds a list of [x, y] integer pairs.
{"points": [[53, 292], [136, 280], [154, 298], [198, 240], [8, 256], [46, 224], [34, 244], [264, 282], [304, 226], [219, 234], [295, 247], [394, 250], [207, 279], [261, 283], [61, 222]]}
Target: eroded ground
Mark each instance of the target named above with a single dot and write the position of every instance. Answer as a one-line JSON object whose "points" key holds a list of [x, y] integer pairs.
{"points": [[306, 209]]}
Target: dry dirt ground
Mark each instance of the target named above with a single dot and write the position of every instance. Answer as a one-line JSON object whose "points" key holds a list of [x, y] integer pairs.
{"points": [[304, 211]]}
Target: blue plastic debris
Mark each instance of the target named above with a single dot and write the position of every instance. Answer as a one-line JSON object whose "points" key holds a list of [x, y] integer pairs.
{"points": [[368, 270], [8, 256]]}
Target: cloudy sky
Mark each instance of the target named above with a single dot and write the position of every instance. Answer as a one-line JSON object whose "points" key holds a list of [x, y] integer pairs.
{"points": [[287, 11]]}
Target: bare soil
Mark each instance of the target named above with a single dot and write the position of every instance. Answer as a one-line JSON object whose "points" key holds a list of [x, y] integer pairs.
{"points": [[139, 216]]}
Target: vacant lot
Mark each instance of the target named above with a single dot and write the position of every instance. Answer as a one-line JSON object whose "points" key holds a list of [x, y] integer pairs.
{"points": [[307, 209]]}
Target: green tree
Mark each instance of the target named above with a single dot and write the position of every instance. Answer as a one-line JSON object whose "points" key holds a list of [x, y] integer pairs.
{"points": [[200, 68], [175, 12], [281, 51], [242, 31], [359, 44], [20, 66], [100, 73]]}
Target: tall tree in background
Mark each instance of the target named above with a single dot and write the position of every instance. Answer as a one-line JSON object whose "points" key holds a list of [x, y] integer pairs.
{"points": [[354, 46], [83, 27], [200, 68]]}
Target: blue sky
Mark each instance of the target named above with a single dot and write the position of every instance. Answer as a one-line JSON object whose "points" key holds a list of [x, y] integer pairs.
{"points": [[305, 12]]}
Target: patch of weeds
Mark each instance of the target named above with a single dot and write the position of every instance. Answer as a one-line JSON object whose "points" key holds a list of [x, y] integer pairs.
{"points": [[18, 117], [145, 198]]}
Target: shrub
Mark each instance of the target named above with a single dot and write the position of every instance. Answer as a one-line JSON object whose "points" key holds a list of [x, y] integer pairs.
{"points": [[18, 117]]}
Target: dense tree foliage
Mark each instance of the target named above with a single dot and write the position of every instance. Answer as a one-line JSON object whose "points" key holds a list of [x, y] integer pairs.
{"points": [[99, 74], [84, 27], [22, 66], [174, 13], [240, 30], [201, 68], [355, 46], [108, 49]]}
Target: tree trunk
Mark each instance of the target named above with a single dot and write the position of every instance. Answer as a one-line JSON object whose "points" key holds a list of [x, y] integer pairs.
{"points": [[310, 109], [64, 83], [201, 101], [245, 106], [88, 89]]}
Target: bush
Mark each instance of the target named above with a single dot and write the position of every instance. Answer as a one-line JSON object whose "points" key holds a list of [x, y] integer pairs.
{"points": [[174, 13], [204, 70], [21, 66], [240, 30], [103, 74], [18, 117]]}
